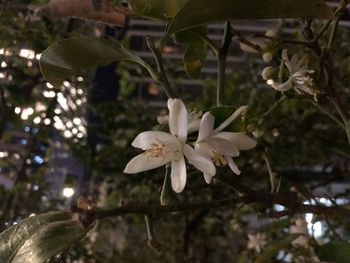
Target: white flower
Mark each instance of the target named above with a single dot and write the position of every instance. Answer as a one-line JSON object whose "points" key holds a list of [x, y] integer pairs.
{"points": [[299, 76], [162, 148], [194, 119], [256, 242], [220, 146]]}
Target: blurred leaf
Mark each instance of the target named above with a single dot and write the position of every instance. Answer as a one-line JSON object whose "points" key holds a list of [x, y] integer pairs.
{"points": [[156, 9], [79, 54], [39, 238], [272, 249], [196, 50], [195, 13], [338, 252]]}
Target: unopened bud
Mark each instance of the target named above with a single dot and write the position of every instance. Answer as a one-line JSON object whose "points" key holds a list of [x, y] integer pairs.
{"points": [[267, 56], [271, 33], [268, 72]]}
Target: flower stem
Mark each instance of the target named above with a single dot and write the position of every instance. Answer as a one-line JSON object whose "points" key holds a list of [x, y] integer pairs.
{"points": [[165, 196], [162, 75], [222, 63]]}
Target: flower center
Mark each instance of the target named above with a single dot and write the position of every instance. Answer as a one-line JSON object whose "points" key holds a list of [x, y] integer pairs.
{"points": [[157, 149], [218, 159]]}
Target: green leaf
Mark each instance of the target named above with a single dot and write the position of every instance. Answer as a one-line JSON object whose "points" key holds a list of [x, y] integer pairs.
{"points": [[77, 55], [195, 13], [338, 252], [268, 254], [39, 238], [196, 50], [156, 9]]}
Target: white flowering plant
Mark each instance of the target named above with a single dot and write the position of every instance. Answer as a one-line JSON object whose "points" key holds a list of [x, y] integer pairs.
{"points": [[261, 137]]}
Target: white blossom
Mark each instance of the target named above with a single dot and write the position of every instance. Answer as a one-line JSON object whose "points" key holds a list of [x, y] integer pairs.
{"points": [[161, 148], [299, 76], [220, 146], [256, 242]]}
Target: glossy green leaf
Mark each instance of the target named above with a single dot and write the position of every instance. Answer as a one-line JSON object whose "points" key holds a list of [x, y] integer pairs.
{"points": [[195, 13], [39, 238], [77, 55], [270, 252], [196, 50], [156, 9], [338, 252]]}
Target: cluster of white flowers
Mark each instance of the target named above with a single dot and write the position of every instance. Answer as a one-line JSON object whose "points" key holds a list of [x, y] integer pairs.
{"points": [[299, 76], [213, 146]]}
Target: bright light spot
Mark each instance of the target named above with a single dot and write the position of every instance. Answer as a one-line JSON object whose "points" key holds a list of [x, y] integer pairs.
{"points": [[2, 75], [37, 120], [40, 106], [38, 159], [29, 64], [58, 123], [47, 121], [58, 111], [69, 124], [17, 156], [38, 56], [66, 84], [68, 192], [35, 188], [32, 214], [67, 134], [24, 116], [74, 130], [49, 85], [78, 102], [62, 101], [80, 135], [17, 110], [80, 91], [26, 53], [2, 51], [80, 78], [270, 82], [77, 121], [49, 94], [3, 64], [4, 154]]}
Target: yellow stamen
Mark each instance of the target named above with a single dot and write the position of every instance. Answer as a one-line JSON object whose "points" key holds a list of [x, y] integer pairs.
{"points": [[157, 149], [218, 159]]}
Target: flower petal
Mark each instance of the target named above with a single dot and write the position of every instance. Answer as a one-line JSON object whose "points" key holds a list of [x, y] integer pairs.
{"points": [[194, 125], [208, 178], [198, 160], [223, 146], [230, 119], [178, 119], [144, 162], [206, 126], [178, 174], [145, 139], [287, 61], [284, 86], [232, 165], [242, 141]]}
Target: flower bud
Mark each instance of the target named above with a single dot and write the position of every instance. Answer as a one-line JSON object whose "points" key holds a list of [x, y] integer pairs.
{"points": [[271, 33], [267, 56], [268, 72]]}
